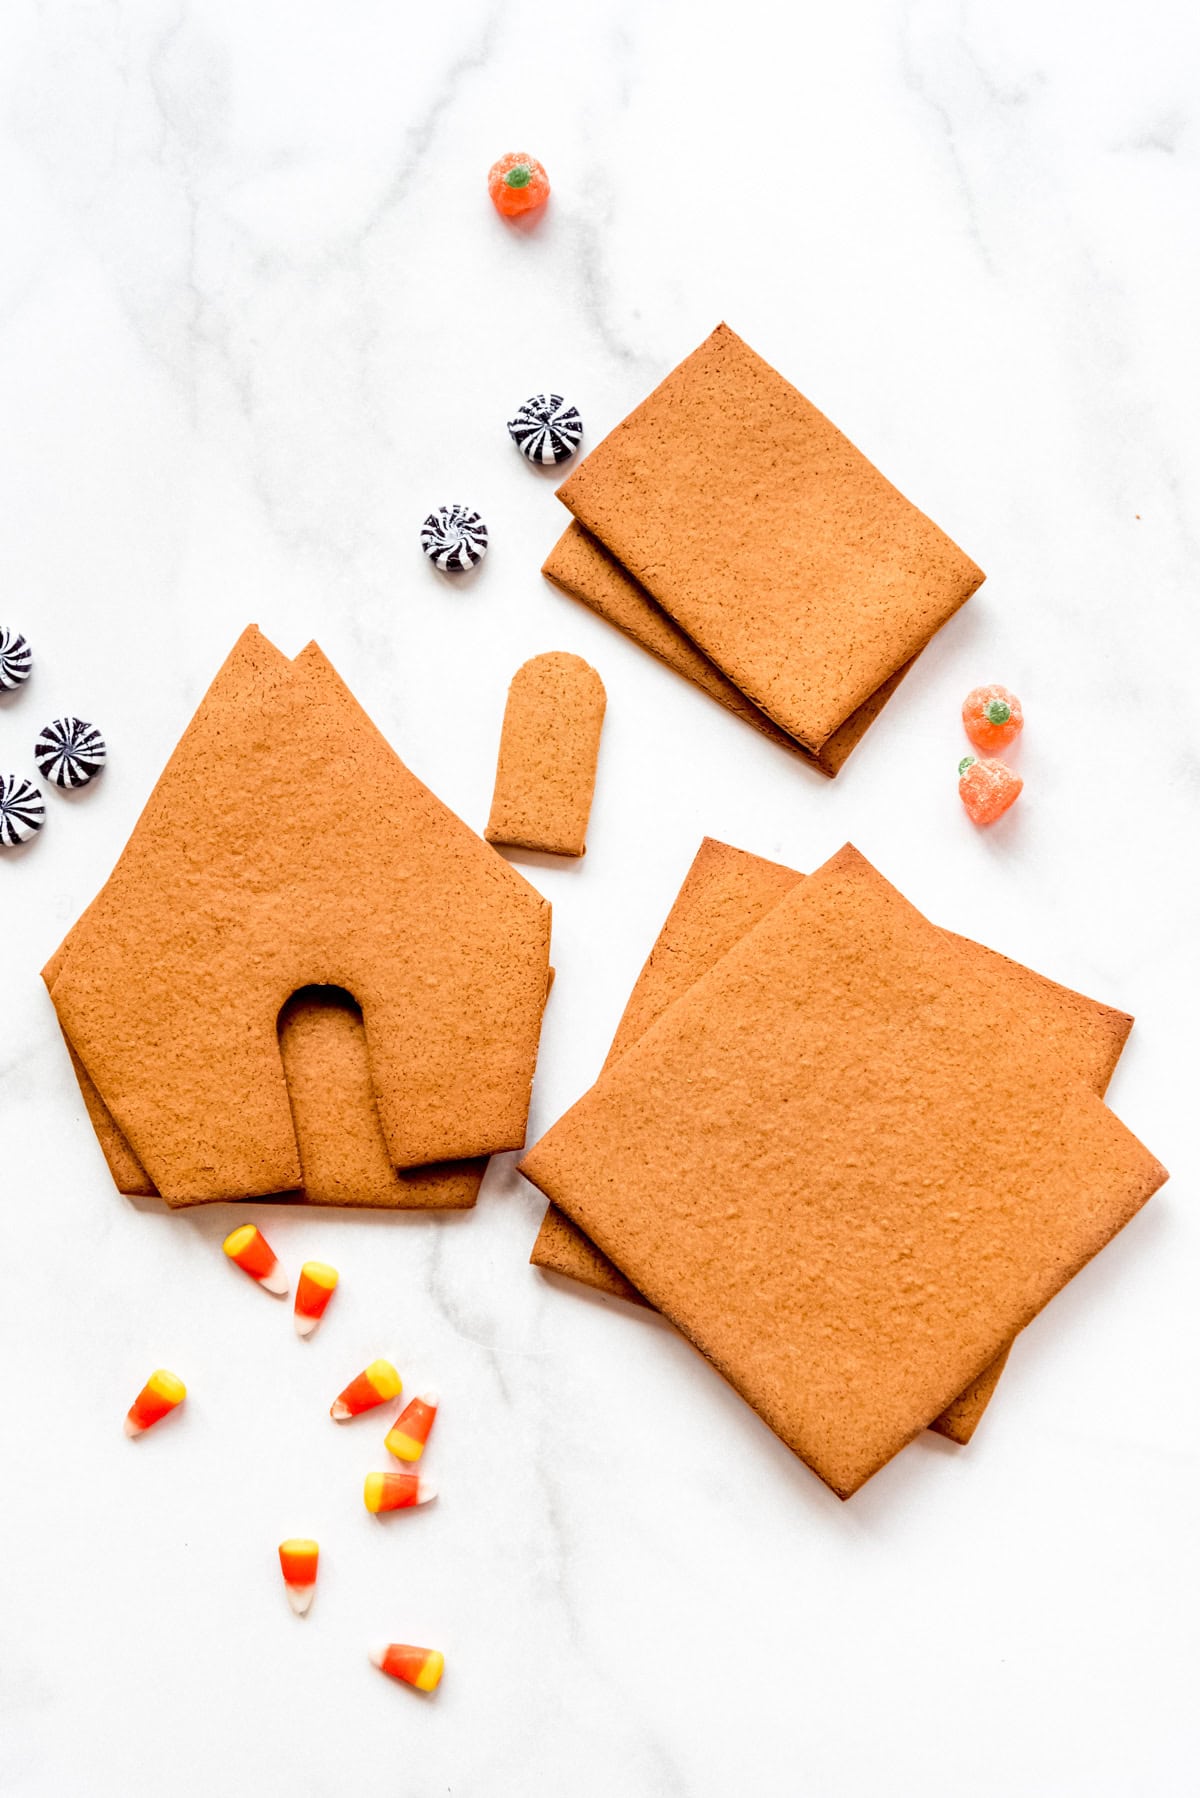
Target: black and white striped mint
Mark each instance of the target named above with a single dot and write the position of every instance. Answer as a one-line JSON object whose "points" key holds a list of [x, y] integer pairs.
{"points": [[16, 658], [70, 752], [454, 538], [546, 429], [22, 810]]}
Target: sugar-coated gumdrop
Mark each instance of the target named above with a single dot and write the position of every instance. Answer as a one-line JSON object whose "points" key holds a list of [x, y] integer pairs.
{"points": [[992, 717], [987, 789], [518, 183]]}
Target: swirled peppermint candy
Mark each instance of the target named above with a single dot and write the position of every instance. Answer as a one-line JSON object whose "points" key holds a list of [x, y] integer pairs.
{"points": [[16, 658], [22, 810], [454, 538], [70, 752], [546, 429]]}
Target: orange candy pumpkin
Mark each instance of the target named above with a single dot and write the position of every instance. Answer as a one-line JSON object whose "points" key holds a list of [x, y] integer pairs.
{"points": [[992, 717], [987, 789], [518, 184]]}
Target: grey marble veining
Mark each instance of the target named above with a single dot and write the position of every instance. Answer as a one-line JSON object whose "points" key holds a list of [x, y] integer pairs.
{"points": [[256, 319]]}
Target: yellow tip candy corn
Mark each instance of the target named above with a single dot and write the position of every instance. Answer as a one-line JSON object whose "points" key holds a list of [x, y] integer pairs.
{"points": [[159, 1396], [298, 1563], [420, 1667], [396, 1491], [250, 1250], [374, 1386], [315, 1289], [408, 1435]]}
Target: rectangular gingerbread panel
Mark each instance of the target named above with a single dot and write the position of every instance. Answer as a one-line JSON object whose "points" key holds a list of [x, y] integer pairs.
{"points": [[780, 550]]}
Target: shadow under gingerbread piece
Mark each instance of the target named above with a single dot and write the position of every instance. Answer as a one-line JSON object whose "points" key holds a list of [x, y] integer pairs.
{"points": [[286, 846]]}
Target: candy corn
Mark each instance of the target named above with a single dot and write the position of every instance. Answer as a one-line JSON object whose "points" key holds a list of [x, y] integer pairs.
{"points": [[420, 1667], [255, 1256], [298, 1562], [374, 1386], [317, 1281], [161, 1393], [408, 1435], [396, 1491]]}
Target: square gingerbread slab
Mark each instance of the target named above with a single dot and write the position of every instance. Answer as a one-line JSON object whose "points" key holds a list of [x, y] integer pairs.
{"points": [[581, 566], [335, 867], [779, 549], [724, 895], [897, 1193]]}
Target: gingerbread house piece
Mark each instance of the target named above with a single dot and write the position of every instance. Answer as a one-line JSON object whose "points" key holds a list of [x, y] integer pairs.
{"points": [[286, 846]]}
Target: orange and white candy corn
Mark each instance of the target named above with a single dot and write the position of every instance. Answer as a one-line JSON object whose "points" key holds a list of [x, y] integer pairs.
{"points": [[396, 1491], [408, 1435], [317, 1282], [159, 1396], [420, 1667], [298, 1563], [249, 1248], [375, 1385]]}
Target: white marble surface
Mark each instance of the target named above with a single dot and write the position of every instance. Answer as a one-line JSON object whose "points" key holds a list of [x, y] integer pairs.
{"points": [[256, 316]]}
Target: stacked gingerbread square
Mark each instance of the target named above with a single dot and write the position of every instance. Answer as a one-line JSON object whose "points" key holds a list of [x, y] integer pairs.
{"points": [[733, 531], [848, 1154]]}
